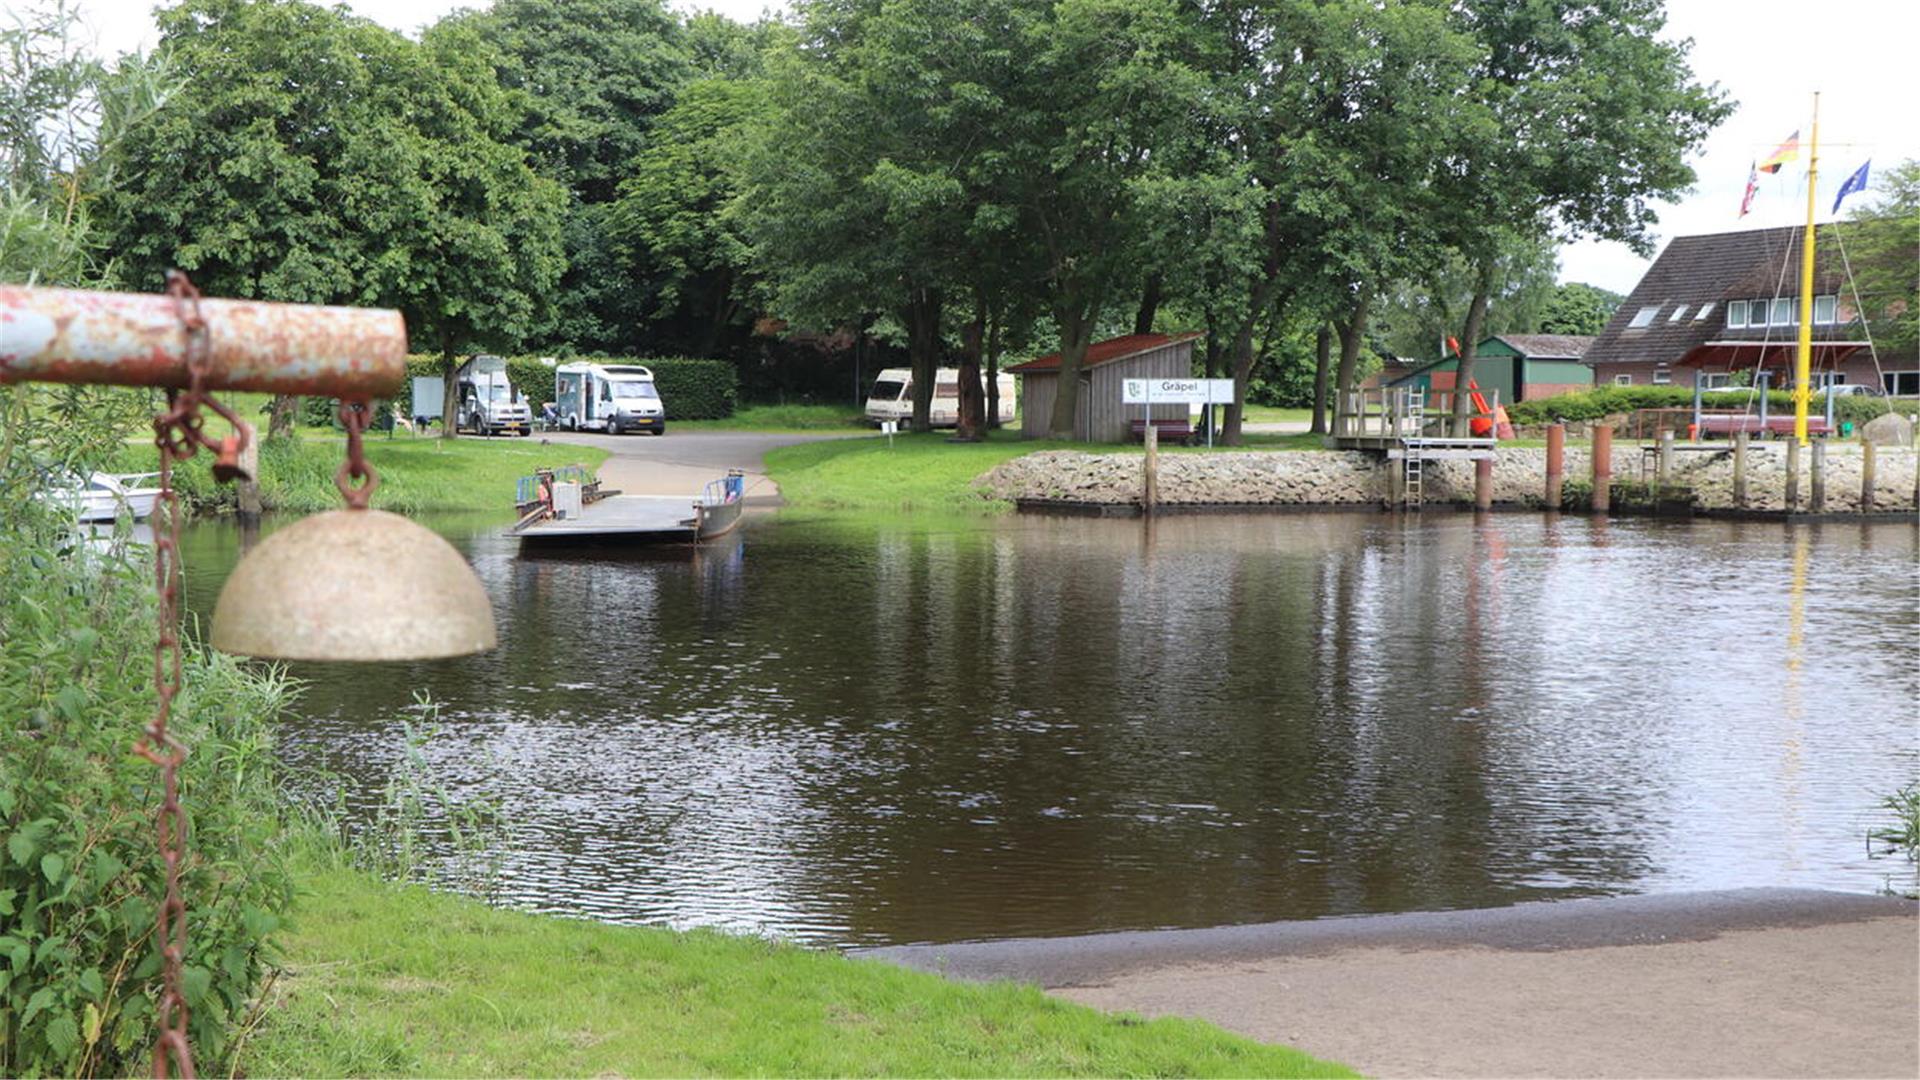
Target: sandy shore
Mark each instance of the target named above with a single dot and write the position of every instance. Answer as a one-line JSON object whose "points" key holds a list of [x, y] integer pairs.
{"points": [[1766, 982]]}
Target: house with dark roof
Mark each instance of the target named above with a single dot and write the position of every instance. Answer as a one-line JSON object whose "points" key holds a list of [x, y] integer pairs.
{"points": [[1099, 415], [1521, 367], [1729, 302]]}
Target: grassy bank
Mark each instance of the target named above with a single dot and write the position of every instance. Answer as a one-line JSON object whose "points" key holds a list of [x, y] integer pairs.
{"points": [[781, 419], [914, 472], [384, 980], [929, 472], [416, 474]]}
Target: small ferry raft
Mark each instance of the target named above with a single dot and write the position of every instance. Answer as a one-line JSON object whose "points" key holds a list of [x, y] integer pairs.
{"points": [[569, 505]]}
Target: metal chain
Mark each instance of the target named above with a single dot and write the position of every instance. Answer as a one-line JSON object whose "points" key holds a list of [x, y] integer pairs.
{"points": [[354, 414], [178, 436]]}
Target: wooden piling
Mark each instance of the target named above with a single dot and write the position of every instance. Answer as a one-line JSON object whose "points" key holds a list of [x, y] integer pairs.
{"points": [[1866, 476], [1740, 470], [1602, 468], [247, 488], [1556, 463], [1817, 488], [1793, 475], [1150, 474], [1483, 484]]}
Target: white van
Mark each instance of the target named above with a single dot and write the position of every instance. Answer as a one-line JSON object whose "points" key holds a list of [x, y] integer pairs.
{"points": [[892, 397], [615, 398]]}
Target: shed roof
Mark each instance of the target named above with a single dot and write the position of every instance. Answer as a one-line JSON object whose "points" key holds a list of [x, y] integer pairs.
{"points": [[1547, 346], [1105, 352]]}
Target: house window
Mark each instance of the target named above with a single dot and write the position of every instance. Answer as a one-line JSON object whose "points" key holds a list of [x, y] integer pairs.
{"points": [[1662, 377], [1783, 312], [1678, 314], [1737, 314], [1823, 307], [1719, 380], [1643, 317], [1901, 383], [1705, 310], [1623, 380]]}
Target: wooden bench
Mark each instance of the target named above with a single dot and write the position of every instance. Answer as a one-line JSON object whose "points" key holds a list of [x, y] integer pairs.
{"points": [[1170, 430]]}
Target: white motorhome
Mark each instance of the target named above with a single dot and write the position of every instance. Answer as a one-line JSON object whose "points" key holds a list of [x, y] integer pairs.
{"points": [[488, 404], [892, 397], [615, 398]]}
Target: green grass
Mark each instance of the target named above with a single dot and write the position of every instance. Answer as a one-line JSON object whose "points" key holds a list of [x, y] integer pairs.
{"points": [[1270, 414], [390, 981], [416, 474], [913, 472], [782, 419]]}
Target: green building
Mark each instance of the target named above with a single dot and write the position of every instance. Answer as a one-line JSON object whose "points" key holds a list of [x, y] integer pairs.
{"points": [[1522, 367]]}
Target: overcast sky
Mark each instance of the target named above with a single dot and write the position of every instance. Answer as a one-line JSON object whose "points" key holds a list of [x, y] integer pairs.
{"points": [[1770, 55]]}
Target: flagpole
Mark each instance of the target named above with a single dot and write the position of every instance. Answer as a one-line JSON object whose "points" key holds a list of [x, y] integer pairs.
{"points": [[1803, 356]]}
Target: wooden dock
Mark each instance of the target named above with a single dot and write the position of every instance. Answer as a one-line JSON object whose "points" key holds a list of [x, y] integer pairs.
{"points": [[642, 519]]}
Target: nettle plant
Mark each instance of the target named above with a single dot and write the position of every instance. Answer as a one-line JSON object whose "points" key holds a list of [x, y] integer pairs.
{"points": [[79, 870]]}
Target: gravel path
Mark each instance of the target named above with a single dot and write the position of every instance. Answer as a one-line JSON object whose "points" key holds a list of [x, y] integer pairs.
{"points": [[1758, 982], [681, 463]]}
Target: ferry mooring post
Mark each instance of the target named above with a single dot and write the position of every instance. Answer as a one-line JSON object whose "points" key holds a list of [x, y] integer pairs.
{"points": [[1793, 475], [1740, 469], [1483, 483], [1817, 485], [1150, 470], [1602, 468], [1866, 476], [1556, 463]]}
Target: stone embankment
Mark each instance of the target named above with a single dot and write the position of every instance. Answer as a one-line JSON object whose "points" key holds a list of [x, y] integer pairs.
{"points": [[1351, 478]]}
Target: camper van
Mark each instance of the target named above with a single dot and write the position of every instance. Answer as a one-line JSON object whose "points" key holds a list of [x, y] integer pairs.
{"points": [[615, 398], [487, 402], [892, 397]]}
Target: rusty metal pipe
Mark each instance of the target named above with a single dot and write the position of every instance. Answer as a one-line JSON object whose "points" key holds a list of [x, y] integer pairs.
{"points": [[137, 339]]}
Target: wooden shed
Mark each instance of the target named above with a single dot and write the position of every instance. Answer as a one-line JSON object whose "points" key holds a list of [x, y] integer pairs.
{"points": [[1099, 415]]}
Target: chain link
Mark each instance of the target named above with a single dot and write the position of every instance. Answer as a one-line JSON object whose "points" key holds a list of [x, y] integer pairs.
{"points": [[178, 435], [354, 414]]}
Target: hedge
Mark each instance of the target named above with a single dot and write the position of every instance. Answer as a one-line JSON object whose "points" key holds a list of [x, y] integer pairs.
{"points": [[692, 389], [1604, 401]]}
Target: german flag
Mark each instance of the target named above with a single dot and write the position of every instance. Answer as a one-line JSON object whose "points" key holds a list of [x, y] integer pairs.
{"points": [[1787, 151]]}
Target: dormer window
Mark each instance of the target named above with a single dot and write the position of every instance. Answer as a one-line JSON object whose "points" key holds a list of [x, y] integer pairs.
{"points": [[1783, 312], [1644, 317], [1823, 310], [1737, 314], [1679, 313]]}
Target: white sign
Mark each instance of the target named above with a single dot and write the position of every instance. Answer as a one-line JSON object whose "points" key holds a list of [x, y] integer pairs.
{"points": [[1176, 391]]}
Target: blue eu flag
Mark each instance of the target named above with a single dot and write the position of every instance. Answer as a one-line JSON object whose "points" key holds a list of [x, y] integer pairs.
{"points": [[1856, 182]]}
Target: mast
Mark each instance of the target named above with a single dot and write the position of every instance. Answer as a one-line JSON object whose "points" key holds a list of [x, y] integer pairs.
{"points": [[1803, 357]]}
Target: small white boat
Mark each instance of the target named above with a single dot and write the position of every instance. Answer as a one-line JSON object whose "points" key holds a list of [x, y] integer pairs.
{"points": [[107, 497]]}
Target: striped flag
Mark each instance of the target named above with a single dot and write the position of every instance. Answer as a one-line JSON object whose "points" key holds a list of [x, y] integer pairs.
{"points": [[1785, 152], [1753, 188]]}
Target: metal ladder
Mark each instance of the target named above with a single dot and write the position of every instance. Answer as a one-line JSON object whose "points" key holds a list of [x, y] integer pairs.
{"points": [[1417, 415]]}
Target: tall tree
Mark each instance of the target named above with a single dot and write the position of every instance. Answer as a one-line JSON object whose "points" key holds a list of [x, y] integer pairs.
{"points": [[687, 262], [384, 183], [589, 78], [1880, 243], [1340, 117], [1577, 308], [1596, 117]]}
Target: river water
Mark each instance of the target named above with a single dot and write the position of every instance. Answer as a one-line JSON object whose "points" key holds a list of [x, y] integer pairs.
{"points": [[862, 731]]}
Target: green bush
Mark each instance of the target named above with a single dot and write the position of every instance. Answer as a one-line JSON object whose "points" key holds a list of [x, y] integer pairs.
{"points": [[696, 389], [1603, 401], [79, 874]]}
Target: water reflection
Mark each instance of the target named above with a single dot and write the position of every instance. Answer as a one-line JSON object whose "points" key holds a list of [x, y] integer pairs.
{"points": [[876, 732]]}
